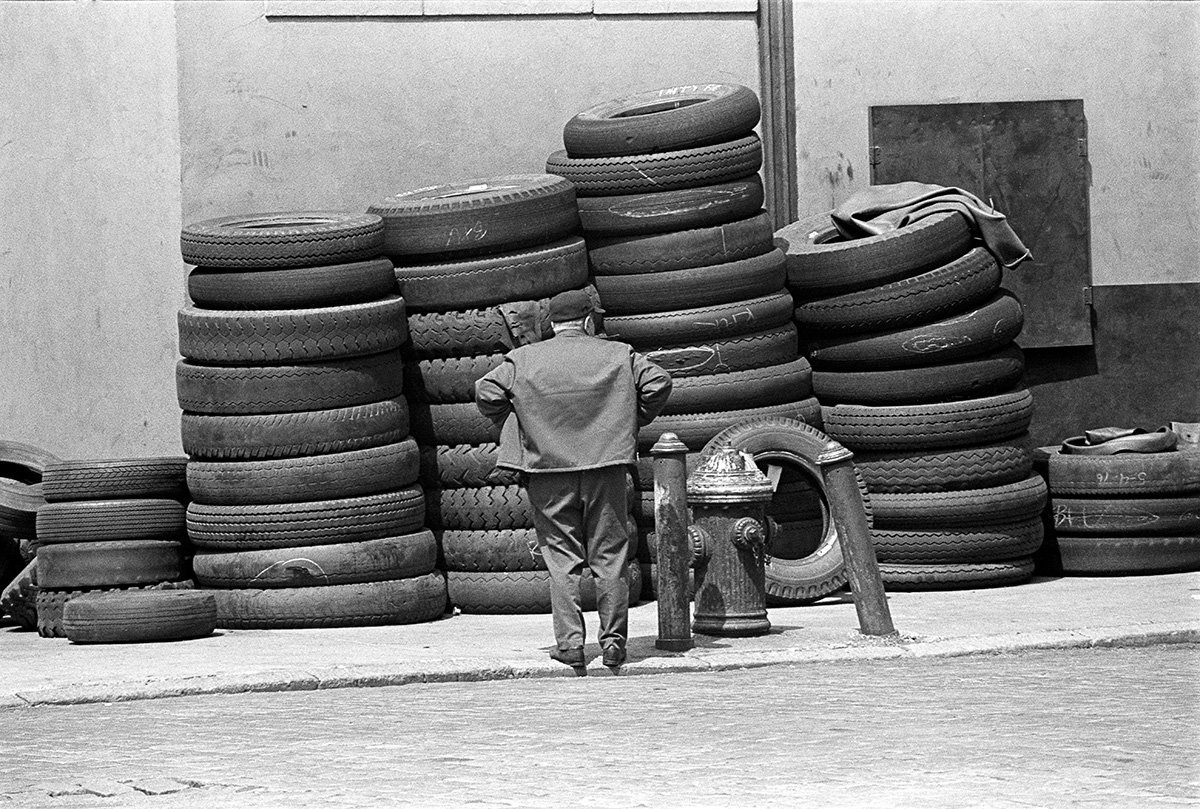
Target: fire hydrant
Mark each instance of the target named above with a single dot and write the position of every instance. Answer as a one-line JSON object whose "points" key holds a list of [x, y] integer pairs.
{"points": [[728, 496]]}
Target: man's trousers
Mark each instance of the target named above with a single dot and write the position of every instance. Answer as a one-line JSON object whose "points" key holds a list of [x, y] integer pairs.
{"points": [[582, 520]]}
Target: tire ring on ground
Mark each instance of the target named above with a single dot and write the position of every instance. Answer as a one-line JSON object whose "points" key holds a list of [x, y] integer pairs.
{"points": [[1126, 516], [116, 478], [985, 328], [477, 216], [50, 603], [706, 323], [84, 565], [820, 263], [664, 171], [931, 470], [497, 550], [291, 435], [971, 377], [239, 390], [950, 288], [681, 249], [741, 353], [293, 288], [961, 576], [930, 426], [285, 239], [663, 211], [991, 543], [969, 507], [18, 599], [679, 117], [525, 591], [100, 520], [315, 522], [396, 601], [139, 616], [528, 274], [697, 429], [774, 384], [693, 287], [1126, 473], [290, 480], [398, 557], [262, 337], [1124, 555]]}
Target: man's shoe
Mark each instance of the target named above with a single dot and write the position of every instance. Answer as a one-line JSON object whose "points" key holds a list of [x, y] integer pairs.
{"points": [[572, 657], [614, 656]]}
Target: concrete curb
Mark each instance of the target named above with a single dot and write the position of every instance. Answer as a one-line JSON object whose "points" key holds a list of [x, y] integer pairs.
{"points": [[474, 670]]}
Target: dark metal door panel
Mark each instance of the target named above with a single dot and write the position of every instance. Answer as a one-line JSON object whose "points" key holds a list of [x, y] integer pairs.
{"points": [[1029, 159]]}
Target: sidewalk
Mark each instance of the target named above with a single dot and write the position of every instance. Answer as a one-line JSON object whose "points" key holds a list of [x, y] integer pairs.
{"points": [[1047, 613]]}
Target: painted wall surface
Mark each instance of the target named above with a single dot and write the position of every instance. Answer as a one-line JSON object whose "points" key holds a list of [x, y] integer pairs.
{"points": [[90, 275], [285, 114], [1134, 64]]}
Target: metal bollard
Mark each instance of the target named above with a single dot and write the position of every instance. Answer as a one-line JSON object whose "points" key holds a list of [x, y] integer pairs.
{"points": [[728, 496], [674, 555]]}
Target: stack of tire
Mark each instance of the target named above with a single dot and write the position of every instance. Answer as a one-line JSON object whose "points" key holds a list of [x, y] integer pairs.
{"points": [[477, 262], [683, 257], [21, 469], [306, 511], [911, 342], [111, 525], [1128, 513]]}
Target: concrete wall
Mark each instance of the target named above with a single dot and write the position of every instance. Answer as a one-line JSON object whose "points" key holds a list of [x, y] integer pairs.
{"points": [[1134, 65], [90, 275], [279, 113]]}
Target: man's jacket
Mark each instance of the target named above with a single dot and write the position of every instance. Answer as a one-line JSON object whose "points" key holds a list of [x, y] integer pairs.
{"points": [[570, 403]]}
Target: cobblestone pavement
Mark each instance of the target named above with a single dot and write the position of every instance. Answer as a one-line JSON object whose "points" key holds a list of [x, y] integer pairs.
{"points": [[1096, 727]]}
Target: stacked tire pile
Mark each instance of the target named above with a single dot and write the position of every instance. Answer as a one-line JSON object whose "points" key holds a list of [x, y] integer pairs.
{"points": [[477, 262], [113, 525], [306, 509], [21, 469], [911, 342], [683, 257], [1124, 513]]}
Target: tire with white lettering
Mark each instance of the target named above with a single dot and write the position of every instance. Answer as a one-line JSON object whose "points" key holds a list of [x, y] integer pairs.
{"points": [[472, 217], [680, 249], [1124, 555], [966, 544], [398, 557], [377, 603], [291, 435], [496, 550], [678, 117], [942, 425], [293, 288], [930, 470], [663, 211], [1126, 516], [820, 262], [663, 171], [692, 287], [527, 274], [288, 388], [264, 337], [740, 353], [290, 480], [83, 565], [950, 288], [720, 321], [758, 387], [987, 327], [313, 522], [1126, 473], [899, 577], [971, 377], [285, 239], [115, 479], [139, 616]]}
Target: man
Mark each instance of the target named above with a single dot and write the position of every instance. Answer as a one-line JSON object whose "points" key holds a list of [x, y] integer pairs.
{"points": [[569, 409]]}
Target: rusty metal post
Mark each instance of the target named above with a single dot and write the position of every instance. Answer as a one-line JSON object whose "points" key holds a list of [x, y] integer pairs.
{"points": [[674, 552], [862, 568]]}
